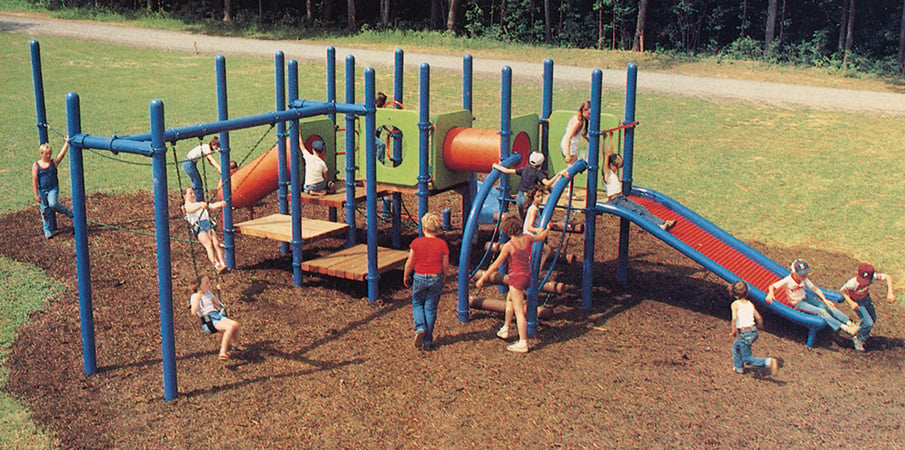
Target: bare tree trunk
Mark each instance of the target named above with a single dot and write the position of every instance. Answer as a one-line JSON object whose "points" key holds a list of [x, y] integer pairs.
{"points": [[385, 13], [900, 56], [770, 32], [309, 14], [548, 21], [227, 10], [600, 27], [638, 42], [843, 23], [452, 19], [350, 15], [150, 5], [849, 32]]}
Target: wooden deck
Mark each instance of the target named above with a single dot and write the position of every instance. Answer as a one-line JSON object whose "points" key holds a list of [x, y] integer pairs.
{"points": [[278, 227], [352, 263], [338, 199]]}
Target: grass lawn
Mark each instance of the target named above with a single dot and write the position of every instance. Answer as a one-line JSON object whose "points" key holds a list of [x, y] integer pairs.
{"points": [[785, 177]]}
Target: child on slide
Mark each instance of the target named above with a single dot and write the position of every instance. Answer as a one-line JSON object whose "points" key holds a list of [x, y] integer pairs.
{"points": [[745, 322], [613, 162], [794, 286]]}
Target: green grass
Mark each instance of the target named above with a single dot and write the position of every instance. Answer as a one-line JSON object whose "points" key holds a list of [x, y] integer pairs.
{"points": [[23, 290], [785, 177]]}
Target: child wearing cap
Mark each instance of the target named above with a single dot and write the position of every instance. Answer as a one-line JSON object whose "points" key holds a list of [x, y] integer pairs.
{"points": [[745, 322], [315, 169], [794, 286], [532, 175], [856, 292]]}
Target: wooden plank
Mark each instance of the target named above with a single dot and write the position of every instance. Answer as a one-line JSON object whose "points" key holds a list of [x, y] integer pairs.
{"points": [[338, 199], [278, 227], [352, 263]]}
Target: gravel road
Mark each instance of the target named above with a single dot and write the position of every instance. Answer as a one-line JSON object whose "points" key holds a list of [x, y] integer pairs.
{"points": [[758, 92]]}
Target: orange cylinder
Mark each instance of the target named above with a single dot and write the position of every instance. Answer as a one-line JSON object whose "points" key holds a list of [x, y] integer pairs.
{"points": [[255, 180], [476, 149]]}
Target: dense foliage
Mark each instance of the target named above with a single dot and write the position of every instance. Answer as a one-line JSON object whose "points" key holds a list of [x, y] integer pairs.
{"points": [[811, 32]]}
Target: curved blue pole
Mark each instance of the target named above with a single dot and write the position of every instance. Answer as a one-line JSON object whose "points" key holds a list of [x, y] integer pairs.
{"points": [[398, 77], [331, 79], [424, 127], [295, 178], [350, 152], [628, 162], [470, 230], [371, 200], [226, 180], [590, 225], [546, 110], [37, 76], [279, 70], [164, 266], [80, 231]]}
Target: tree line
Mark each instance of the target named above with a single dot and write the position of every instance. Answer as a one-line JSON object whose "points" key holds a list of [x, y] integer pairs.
{"points": [[866, 33]]}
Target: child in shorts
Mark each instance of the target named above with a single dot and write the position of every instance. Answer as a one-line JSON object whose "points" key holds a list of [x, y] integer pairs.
{"points": [[856, 292], [429, 260], [745, 322]]}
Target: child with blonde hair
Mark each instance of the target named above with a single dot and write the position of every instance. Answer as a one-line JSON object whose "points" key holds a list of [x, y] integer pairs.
{"points": [[745, 322], [429, 261]]}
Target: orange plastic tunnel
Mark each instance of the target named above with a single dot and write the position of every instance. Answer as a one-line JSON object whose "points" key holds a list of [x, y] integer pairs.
{"points": [[476, 149], [255, 180]]}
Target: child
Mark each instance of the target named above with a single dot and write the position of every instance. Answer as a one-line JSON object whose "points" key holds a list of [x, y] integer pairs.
{"points": [[315, 169], [429, 259], [614, 186], [519, 247], [46, 187], [794, 285], [197, 214], [533, 175], [532, 215], [191, 169], [745, 322], [856, 292], [213, 316], [576, 129]]}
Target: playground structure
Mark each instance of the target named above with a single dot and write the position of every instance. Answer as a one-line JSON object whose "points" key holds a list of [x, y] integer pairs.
{"points": [[444, 162]]}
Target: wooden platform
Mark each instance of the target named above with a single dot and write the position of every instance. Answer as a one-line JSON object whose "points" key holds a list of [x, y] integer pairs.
{"points": [[278, 227], [352, 263], [338, 199]]}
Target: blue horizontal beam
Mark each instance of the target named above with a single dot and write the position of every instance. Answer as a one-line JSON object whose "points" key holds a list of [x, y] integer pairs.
{"points": [[113, 144]]}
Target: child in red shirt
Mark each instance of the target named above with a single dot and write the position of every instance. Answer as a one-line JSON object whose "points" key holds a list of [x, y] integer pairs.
{"points": [[429, 259]]}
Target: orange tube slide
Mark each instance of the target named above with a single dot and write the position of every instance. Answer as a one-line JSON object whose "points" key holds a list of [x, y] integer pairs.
{"points": [[255, 180], [476, 149]]}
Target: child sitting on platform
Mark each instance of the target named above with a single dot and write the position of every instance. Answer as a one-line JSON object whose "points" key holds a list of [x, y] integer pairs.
{"points": [[315, 168]]}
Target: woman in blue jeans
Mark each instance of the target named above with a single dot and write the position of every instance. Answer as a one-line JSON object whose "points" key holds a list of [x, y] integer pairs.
{"points": [[46, 187], [429, 260]]}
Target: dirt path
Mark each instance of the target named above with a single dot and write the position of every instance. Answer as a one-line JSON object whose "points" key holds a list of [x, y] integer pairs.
{"points": [[776, 94]]}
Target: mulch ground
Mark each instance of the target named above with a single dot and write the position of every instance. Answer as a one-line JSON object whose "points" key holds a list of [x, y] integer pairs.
{"points": [[647, 366]]}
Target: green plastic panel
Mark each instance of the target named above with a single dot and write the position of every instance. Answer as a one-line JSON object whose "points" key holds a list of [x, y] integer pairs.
{"points": [[323, 127]]}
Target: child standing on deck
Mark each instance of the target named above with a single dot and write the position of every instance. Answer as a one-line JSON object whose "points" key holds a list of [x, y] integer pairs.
{"points": [[745, 322], [429, 259], [519, 247], [856, 292], [794, 286]]}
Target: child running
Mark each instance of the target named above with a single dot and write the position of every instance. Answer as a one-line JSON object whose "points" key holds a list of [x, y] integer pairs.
{"points": [[794, 286], [519, 247], [856, 292], [745, 322], [429, 259]]}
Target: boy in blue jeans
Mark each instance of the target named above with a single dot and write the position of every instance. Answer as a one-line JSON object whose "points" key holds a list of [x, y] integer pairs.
{"points": [[429, 260], [856, 292], [745, 322]]}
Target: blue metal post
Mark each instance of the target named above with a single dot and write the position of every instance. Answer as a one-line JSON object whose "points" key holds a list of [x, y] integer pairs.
{"points": [[627, 158], [505, 133], [424, 127], [80, 231], [546, 110], [38, 77], [295, 178], [282, 175], [331, 97], [371, 200], [398, 77], [350, 152], [226, 180], [590, 217], [164, 266], [471, 186]]}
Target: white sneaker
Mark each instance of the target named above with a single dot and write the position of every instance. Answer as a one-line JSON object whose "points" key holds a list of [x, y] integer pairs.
{"points": [[851, 328], [518, 347], [503, 333]]}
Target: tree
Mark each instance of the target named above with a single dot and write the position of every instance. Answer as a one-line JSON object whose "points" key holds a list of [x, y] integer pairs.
{"points": [[437, 14], [770, 32], [548, 21], [849, 32], [900, 56], [350, 15], [638, 42], [385, 13], [452, 20], [309, 16], [227, 10]]}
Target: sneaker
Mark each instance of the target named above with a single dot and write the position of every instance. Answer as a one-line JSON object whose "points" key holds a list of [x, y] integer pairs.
{"points": [[503, 333], [851, 328], [858, 343], [666, 226], [419, 339], [773, 366], [518, 347]]}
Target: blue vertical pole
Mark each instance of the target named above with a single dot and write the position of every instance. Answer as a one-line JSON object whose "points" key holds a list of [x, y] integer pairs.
{"points": [[80, 231], [627, 158], [590, 217], [38, 78], [350, 152], [505, 137], [471, 186], [295, 178], [226, 180], [424, 127], [546, 110], [371, 200], [398, 76], [279, 66], [331, 97], [164, 266]]}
